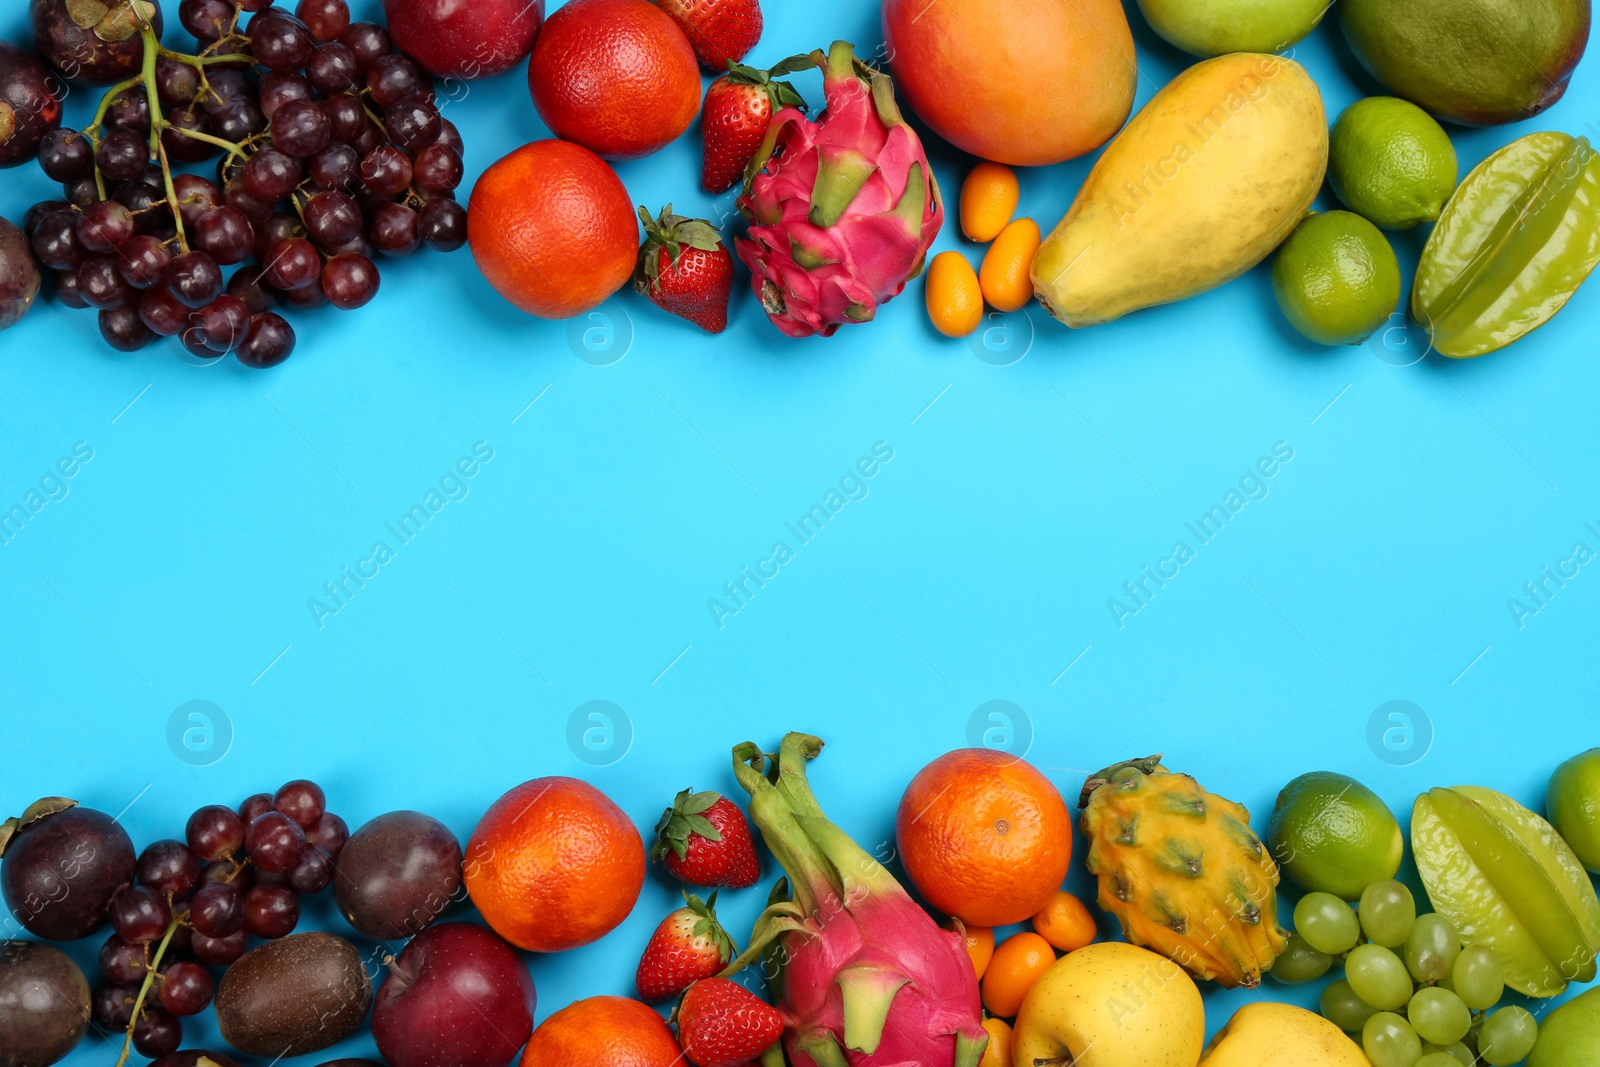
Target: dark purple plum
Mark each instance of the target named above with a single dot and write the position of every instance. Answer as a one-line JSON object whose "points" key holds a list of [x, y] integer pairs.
{"points": [[60, 865], [397, 875], [36, 1031]]}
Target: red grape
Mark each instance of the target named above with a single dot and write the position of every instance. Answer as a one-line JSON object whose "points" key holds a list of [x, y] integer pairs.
{"points": [[279, 41], [444, 225], [392, 78], [271, 175], [160, 310], [121, 962], [195, 279], [412, 123], [396, 230], [157, 1033], [292, 263], [332, 69], [139, 913], [185, 988], [217, 910], [214, 831], [301, 128], [368, 42], [275, 841], [268, 343], [221, 951], [123, 331], [386, 170], [330, 834], [123, 155], [143, 261], [104, 226], [222, 324], [169, 868], [437, 169], [326, 19], [225, 234], [271, 911], [65, 155], [101, 286], [351, 281]]}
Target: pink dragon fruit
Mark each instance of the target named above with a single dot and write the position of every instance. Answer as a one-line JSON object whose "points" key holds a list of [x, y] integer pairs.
{"points": [[843, 210], [865, 977]]}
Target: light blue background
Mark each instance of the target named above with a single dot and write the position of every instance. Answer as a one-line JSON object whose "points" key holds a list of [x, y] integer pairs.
{"points": [[1019, 499]]}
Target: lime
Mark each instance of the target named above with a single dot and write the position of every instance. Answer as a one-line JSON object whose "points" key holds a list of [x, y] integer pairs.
{"points": [[1391, 162], [1336, 278], [1331, 834], [1574, 806]]}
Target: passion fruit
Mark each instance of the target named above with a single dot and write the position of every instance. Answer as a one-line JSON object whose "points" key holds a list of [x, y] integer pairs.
{"points": [[44, 1004], [60, 865]]}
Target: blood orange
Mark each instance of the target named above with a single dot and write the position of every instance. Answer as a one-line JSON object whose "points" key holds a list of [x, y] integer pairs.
{"points": [[617, 76], [553, 229]]}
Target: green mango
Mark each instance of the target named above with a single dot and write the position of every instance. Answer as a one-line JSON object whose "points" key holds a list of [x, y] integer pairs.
{"points": [[1517, 239], [1218, 27], [1473, 62]]}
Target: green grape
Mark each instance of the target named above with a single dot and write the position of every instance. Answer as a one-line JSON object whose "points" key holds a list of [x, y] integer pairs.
{"points": [[1300, 963], [1342, 1008], [1387, 911], [1439, 1016], [1378, 977], [1458, 1051], [1479, 977], [1389, 1041], [1437, 1059], [1327, 923], [1432, 948], [1507, 1037]]}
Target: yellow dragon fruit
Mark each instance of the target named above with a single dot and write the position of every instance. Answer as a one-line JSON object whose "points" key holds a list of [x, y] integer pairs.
{"points": [[842, 210]]}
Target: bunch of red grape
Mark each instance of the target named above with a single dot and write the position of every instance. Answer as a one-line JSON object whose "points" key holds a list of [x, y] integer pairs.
{"points": [[196, 903], [332, 151]]}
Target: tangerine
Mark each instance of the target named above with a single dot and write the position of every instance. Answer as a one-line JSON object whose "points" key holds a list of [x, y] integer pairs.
{"points": [[617, 76], [1018, 963], [984, 836], [553, 230], [554, 864], [602, 1032]]}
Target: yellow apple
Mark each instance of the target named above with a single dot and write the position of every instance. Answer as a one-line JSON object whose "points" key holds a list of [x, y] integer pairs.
{"points": [[1278, 1035], [1111, 1005]]}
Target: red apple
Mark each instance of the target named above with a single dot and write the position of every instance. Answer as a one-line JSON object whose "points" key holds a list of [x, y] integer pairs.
{"points": [[456, 996], [465, 38]]}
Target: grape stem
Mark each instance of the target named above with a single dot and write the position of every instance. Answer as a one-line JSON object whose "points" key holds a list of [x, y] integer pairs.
{"points": [[144, 990]]}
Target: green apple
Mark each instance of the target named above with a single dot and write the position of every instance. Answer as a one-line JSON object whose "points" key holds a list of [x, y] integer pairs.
{"points": [[1110, 1005], [1574, 806], [1570, 1035], [1221, 26]]}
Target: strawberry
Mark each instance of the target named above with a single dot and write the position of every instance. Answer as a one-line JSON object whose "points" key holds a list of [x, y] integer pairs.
{"points": [[688, 945], [703, 839], [685, 269], [723, 1024], [721, 31], [738, 109]]}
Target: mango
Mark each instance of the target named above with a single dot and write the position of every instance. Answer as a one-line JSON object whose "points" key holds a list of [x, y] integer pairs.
{"points": [[1218, 27], [1280, 1035], [1022, 82], [1473, 62], [1205, 182]]}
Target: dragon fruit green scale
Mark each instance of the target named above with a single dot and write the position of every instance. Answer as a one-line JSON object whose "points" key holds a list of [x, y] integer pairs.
{"points": [[842, 210], [864, 976]]}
